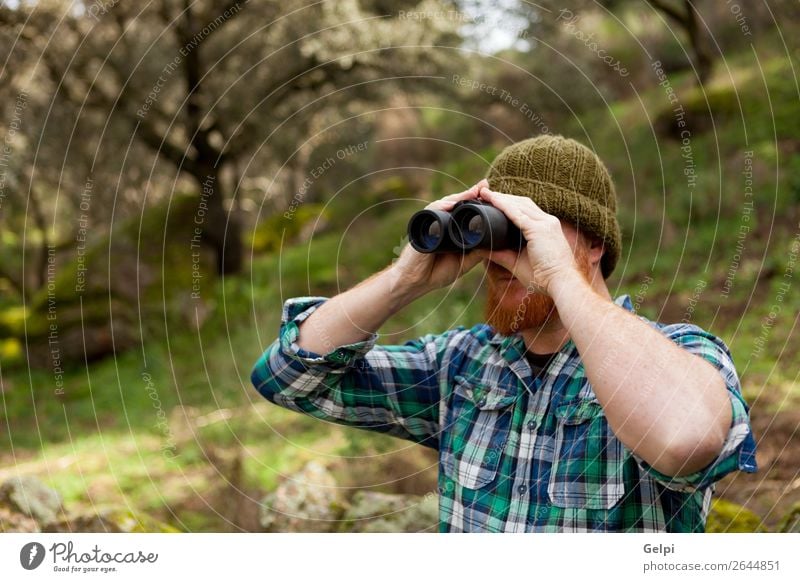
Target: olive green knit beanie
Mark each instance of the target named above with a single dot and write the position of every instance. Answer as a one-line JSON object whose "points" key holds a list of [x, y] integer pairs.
{"points": [[566, 179]]}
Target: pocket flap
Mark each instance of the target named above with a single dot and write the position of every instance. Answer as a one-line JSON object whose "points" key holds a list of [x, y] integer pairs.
{"points": [[578, 411], [482, 396]]}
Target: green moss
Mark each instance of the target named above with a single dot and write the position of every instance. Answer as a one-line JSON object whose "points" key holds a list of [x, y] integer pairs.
{"points": [[144, 268], [112, 519], [727, 517], [11, 351], [790, 523], [283, 229], [739, 96], [12, 321]]}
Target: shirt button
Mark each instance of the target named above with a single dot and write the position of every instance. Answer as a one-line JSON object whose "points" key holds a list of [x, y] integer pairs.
{"points": [[531, 424], [522, 489], [482, 401]]}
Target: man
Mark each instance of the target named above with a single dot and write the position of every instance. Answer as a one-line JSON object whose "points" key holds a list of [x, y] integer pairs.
{"points": [[566, 411]]}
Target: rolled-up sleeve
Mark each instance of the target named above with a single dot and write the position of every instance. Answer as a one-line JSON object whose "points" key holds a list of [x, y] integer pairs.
{"points": [[739, 449], [389, 389]]}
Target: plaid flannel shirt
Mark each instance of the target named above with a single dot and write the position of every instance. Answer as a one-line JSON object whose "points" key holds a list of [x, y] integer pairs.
{"points": [[516, 453]]}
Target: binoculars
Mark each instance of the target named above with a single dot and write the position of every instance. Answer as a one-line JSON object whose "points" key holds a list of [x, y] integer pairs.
{"points": [[471, 224]]}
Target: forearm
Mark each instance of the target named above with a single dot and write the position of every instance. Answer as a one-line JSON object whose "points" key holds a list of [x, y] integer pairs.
{"points": [[355, 314], [669, 406], [393, 389]]}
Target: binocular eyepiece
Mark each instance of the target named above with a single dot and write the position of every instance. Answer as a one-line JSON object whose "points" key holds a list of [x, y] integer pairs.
{"points": [[471, 224]]}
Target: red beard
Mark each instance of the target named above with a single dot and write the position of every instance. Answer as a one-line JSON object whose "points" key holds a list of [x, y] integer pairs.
{"points": [[511, 308]]}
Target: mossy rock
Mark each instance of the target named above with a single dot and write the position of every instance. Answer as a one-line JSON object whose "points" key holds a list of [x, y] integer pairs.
{"points": [[11, 351], [698, 108], [111, 520], [790, 523], [393, 187], [732, 104], [727, 517], [29, 496], [373, 512], [93, 303], [14, 522], [307, 501], [286, 228]]}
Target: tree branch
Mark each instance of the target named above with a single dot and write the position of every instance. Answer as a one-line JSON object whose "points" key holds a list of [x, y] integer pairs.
{"points": [[295, 82], [670, 11]]}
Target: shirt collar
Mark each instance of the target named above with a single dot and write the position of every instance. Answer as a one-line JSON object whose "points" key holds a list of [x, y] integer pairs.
{"points": [[512, 347]]}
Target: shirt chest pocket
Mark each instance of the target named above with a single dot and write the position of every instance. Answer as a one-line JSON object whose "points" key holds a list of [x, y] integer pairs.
{"points": [[475, 431], [587, 471]]}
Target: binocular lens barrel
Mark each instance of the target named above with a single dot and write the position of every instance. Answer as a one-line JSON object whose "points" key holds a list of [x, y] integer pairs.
{"points": [[428, 231], [470, 225]]}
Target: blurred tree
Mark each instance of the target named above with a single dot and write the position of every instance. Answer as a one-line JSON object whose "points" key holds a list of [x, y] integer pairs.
{"points": [[211, 88], [683, 13]]}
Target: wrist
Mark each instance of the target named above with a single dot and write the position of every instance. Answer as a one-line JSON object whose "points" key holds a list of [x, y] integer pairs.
{"points": [[565, 282], [401, 289]]}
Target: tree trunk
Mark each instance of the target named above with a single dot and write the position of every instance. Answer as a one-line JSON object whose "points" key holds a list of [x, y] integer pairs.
{"points": [[222, 230], [41, 224], [688, 20], [697, 39]]}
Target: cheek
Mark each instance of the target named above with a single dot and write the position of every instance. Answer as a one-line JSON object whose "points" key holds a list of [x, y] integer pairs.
{"points": [[510, 293]]}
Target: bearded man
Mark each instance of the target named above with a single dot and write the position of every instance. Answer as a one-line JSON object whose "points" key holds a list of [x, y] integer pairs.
{"points": [[565, 411]]}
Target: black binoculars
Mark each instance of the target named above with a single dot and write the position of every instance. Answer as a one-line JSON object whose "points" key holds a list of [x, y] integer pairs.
{"points": [[471, 224]]}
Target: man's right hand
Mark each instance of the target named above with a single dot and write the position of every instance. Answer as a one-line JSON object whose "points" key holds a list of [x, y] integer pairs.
{"points": [[418, 273], [357, 313]]}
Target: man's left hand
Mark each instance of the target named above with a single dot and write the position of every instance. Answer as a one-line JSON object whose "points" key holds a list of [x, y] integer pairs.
{"points": [[548, 255]]}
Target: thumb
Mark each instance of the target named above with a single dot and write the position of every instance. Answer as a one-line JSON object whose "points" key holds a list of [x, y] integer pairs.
{"points": [[469, 260], [507, 259]]}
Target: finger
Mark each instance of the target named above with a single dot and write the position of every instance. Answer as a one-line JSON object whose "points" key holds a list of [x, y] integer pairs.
{"points": [[506, 259], [448, 202], [468, 261], [471, 192], [520, 210], [481, 185], [502, 200], [439, 205], [512, 206]]}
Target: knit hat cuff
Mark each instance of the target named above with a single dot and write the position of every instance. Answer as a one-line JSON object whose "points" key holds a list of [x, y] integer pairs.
{"points": [[586, 214]]}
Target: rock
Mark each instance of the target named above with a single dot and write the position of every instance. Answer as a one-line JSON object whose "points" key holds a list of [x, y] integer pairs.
{"points": [[308, 501], [727, 517], [11, 521], [382, 512], [28, 505], [790, 523], [111, 520], [31, 497]]}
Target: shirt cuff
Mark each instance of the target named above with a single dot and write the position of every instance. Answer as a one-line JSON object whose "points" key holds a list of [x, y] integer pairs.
{"points": [[297, 310]]}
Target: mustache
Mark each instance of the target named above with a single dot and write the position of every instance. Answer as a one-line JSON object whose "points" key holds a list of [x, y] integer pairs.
{"points": [[510, 316]]}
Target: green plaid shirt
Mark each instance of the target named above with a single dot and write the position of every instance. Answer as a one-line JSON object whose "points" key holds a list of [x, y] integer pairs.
{"points": [[517, 453]]}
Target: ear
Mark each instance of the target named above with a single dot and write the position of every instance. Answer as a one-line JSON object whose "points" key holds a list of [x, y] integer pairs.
{"points": [[596, 249]]}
